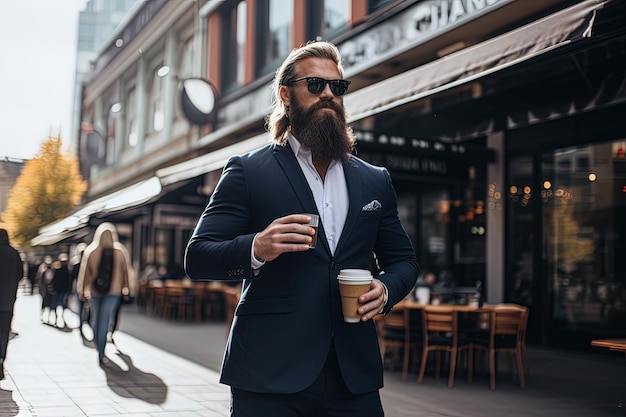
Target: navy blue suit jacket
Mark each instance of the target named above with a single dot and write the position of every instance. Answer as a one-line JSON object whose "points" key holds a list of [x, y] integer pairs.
{"points": [[282, 330]]}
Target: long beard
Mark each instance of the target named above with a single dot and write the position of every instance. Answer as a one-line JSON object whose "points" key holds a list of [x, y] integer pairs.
{"points": [[325, 134]]}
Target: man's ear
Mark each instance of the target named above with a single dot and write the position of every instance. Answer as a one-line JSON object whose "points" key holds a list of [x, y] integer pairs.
{"points": [[284, 95]]}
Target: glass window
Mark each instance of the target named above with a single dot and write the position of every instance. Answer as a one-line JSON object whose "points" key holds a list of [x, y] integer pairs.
{"points": [[519, 262], [328, 18], [336, 14], [274, 30], [233, 52], [585, 238], [157, 112], [110, 138], [374, 5], [187, 57], [131, 118]]}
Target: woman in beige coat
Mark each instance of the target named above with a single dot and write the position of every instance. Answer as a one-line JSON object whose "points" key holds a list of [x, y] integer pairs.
{"points": [[103, 305]]}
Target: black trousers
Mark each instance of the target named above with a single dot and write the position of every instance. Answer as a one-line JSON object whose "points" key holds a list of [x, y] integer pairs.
{"points": [[5, 329], [327, 397]]}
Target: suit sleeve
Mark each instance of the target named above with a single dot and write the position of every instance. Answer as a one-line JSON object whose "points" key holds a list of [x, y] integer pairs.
{"points": [[395, 252], [219, 248]]}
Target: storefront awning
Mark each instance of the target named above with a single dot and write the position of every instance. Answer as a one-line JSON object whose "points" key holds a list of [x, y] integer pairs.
{"points": [[209, 162], [477, 61], [131, 196], [144, 191]]}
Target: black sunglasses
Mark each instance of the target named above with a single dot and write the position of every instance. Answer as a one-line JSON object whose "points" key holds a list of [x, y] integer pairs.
{"points": [[316, 85]]}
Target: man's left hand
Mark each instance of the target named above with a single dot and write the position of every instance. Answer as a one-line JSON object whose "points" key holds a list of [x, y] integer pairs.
{"points": [[373, 301]]}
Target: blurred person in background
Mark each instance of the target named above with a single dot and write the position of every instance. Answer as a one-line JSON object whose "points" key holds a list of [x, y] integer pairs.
{"points": [[11, 273], [82, 308], [61, 284], [45, 275], [290, 353], [33, 265], [103, 304]]}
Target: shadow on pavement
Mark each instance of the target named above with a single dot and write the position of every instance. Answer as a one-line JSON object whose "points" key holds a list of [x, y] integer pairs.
{"points": [[134, 383], [8, 407]]}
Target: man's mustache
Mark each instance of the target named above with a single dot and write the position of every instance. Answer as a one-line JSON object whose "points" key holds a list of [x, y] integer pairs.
{"points": [[328, 105]]}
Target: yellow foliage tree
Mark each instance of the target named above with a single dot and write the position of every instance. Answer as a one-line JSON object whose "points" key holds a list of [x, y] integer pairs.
{"points": [[47, 190]]}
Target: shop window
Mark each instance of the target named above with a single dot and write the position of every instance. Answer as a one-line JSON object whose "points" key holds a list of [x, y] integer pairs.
{"points": [[233, 52], [274, 28], [585, 235], [520, 225]]}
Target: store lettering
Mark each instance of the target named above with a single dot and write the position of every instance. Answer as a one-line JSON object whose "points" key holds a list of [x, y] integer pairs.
{"points": [[431, 16], [409, 27], [409, 163]]}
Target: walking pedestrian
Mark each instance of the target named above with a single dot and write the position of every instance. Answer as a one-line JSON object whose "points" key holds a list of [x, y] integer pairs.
{"points": [[61, 284], [290, 353], [82, 308], [11, 274], [45, 275], [105, 259]]}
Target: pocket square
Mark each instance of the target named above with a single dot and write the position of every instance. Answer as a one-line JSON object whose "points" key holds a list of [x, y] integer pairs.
{"points": [[372, 206]]}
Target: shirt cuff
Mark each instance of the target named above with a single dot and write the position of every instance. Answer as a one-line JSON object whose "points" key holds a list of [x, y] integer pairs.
{"points": [[254, 262], [386, 298]]}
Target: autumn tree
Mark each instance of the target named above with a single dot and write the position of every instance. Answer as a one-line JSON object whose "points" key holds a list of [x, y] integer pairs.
{"points": [[47, 190]]}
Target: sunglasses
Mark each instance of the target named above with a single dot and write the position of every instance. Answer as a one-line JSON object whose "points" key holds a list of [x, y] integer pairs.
{"points": [[316, 85]]}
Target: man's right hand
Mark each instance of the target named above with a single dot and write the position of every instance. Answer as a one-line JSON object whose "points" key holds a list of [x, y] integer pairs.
{"points": [[286, 234]]}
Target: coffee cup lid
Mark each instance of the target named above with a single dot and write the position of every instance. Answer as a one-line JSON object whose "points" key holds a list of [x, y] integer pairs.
{"points": [[354, 280], [356, 273]]}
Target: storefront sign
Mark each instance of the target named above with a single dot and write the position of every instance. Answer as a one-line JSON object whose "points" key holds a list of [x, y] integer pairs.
{"points": [[411, 27], [416, 164], [414, 155]]}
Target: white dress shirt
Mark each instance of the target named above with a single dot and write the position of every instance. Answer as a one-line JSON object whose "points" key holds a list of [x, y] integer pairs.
{"points": [[331, 197]]}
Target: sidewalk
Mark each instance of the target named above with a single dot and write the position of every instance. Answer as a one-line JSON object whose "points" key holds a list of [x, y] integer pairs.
{"points": [[51, 372]]}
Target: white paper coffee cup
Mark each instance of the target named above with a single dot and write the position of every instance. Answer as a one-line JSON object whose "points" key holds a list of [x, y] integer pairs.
{"points": [[352, 284]]}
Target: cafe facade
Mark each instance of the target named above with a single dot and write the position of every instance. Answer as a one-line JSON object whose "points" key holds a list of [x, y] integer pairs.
{"points": [[500, 122]]}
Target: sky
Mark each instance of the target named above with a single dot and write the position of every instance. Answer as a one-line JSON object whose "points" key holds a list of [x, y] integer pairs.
{"points": [[38, 50]]}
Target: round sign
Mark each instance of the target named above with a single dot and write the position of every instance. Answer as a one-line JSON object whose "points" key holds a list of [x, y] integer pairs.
{"points": [[198, 98]]}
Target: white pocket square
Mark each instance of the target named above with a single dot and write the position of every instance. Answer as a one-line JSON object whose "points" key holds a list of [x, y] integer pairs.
{"points": [[372, 206]]}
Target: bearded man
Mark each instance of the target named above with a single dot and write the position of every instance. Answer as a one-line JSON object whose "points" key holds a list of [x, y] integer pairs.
{"points": [[290, 352]]}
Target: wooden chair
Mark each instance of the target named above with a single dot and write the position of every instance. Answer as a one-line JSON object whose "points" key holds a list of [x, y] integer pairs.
{"points": [[398, 330], [507, 332], [155, 297], [441, 333]]}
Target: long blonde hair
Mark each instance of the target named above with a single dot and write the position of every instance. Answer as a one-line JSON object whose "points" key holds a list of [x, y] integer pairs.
{"points": [[278, 120]]}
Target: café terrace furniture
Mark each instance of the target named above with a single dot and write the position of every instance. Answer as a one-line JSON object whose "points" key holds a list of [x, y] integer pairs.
{"points": [[478, 323], [441, 333], [618, 345], [399, 330], [506, 334]]}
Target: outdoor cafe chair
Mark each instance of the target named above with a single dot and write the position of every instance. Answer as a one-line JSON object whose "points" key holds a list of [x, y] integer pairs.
{"points": [[399, 330], [441, 333], [507, 329]]}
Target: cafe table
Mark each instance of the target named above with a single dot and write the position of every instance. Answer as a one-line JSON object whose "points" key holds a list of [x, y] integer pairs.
{"points": [[618, 345], [462, 308], [480, 315]]}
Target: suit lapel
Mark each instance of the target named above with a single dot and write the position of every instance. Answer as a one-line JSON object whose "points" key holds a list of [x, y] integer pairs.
{"points": [[287, 160], [353, 180]]}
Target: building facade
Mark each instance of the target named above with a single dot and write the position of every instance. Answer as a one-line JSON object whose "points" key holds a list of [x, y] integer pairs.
{"points": [[96, 23], [500, 122]]}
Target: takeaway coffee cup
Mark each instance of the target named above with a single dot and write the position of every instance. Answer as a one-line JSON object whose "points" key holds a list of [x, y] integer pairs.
{"points": [[352, 284], [314, 223]]}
